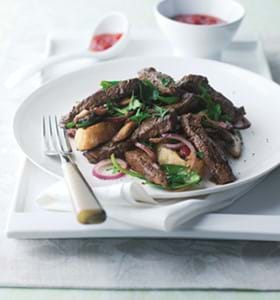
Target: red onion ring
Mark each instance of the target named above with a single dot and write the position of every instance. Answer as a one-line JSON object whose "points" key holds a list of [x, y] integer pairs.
{"points": [[178, 137], [147, 150], [173, 146], [97, 170]]}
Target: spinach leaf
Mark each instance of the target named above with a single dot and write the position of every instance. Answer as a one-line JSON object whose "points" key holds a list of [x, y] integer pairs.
{"points": [[87, 123], [168, 99]]}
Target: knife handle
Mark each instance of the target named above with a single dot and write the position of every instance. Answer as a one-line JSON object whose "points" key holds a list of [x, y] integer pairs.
{"points": [[87, 208]]}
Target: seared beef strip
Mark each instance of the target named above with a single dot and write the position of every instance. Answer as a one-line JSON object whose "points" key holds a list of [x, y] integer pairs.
{"points": [[189, 103], [116, 92], [140, 162], [230, 142], [193, 83], [105, 151], [154, 127], [213, 156], [164, 83]]}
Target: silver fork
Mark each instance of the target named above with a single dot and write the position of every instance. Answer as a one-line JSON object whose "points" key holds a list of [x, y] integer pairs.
{"points": [[85, 203]]}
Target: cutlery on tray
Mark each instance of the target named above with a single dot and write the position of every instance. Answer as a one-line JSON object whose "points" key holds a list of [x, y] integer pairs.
{"points": [[87, 207]]}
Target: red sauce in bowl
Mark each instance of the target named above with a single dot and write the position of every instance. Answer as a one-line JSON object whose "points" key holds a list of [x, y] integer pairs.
{"points": [[198, 19], [104, 41]]}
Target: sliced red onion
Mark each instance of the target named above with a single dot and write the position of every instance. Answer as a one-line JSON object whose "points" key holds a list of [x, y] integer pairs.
{"points": [[178, 137], [71, 132], [99, 169], [147, 150], [173, 146]]}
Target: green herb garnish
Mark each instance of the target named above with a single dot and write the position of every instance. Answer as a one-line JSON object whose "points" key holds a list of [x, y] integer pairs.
{"points": [[148, 92], [213, 110], [226, 118], [200, 154], [168, 99], [166, 81], [140, 116], [160, 112], [105, 84], [133, 105], [119, 168], [86, 123], [70, 125], [180, 177]]}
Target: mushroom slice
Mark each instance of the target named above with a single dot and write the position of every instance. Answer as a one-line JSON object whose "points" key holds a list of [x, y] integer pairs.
{"points": [[125, 131]]}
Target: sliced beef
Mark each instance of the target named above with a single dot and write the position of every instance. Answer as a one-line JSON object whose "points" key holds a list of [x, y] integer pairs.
{"points": [[189, 103], [105, 151], [193, 83], [140, 162], [214, 157], [229, 142], [154, 127], [116, 92], [164, 83]]}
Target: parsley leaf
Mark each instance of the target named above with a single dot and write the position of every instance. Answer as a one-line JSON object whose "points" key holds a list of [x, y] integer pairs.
{"points": [[166, 81], [160, 112], [214, 110], [179, 177], [200, 154], [105, 84], [140, 116], [110, 106], [149, 92], [133, 105]]}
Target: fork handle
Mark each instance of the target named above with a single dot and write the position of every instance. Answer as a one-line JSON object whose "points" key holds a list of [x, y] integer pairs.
{"points": [[86, 205]]}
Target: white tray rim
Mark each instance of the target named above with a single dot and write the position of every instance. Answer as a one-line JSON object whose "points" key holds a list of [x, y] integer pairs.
{"points": [[258, 227]]}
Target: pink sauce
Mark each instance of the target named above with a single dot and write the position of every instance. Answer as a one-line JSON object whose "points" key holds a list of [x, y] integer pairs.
{"points": [[198, 19], [104, 41]]}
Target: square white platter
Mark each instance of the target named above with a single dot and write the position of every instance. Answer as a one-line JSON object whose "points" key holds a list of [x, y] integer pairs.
{"points": [[255, 216]]}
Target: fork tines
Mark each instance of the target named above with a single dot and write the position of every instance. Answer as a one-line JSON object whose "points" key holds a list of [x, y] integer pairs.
{"points": [[55, 140]]}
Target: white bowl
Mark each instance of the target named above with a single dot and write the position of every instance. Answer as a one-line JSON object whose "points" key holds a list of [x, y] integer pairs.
{"points": [[205, 41]]}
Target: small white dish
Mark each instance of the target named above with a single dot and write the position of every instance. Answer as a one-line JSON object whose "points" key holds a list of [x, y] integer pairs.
{"points": [[113, 22], [204, 41], [261, 142]]}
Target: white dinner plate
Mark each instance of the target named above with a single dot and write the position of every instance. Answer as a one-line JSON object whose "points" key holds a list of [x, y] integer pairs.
{"points": [[261, 98]]}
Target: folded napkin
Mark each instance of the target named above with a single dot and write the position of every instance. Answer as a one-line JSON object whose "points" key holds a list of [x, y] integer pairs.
{"points": [[130, 203]]}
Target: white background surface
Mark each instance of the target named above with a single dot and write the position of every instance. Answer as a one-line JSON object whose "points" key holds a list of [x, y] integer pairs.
{"points": [[23, 28]]}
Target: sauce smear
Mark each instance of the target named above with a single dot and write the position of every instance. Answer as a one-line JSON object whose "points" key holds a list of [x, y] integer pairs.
{"points": [[104, 41], [198, 19]]}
